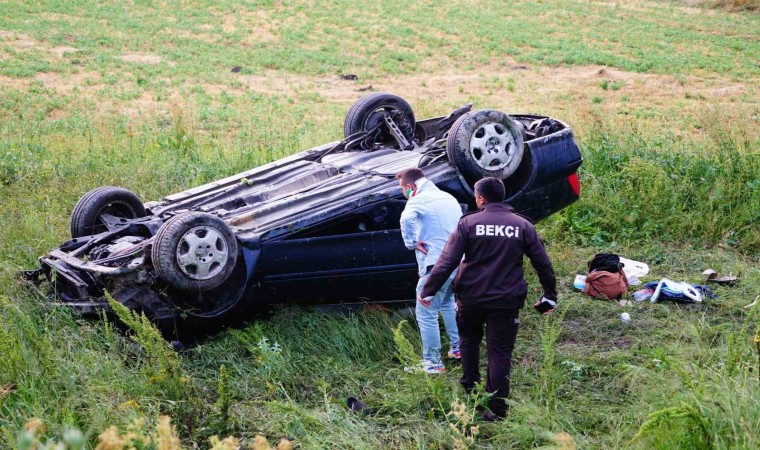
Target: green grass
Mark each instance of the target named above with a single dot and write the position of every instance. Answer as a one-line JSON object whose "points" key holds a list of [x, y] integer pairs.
{"points": [[583, 373], [200, 36], [668, 129]]}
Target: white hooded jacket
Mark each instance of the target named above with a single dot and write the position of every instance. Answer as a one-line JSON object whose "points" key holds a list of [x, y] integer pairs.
{"points": [[430, 215]]}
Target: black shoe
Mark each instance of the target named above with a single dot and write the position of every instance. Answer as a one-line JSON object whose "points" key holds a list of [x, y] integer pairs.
{"points": [[488, 416], [358, 406]]}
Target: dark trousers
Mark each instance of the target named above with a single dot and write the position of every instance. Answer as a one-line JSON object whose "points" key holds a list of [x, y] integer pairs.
{"points": [[501, 331]]}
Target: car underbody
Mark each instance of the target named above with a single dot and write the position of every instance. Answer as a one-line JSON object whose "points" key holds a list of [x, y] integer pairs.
{"points": [[320, 226]]}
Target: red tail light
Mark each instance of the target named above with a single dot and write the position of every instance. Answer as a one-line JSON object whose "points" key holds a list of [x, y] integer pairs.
{"points": [[575, 184]]}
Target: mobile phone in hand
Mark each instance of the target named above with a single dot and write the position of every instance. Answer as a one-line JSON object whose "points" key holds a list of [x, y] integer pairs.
{"points": [[545, 305]]}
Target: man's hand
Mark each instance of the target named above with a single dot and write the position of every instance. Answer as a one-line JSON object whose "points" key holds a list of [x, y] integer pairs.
{"points": [[426, 302], [547, 312], [422, 247]]}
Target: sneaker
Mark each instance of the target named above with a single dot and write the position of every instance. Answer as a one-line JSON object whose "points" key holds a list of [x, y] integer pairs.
{"points": [[454, 354], [427, 367], [435, 368]]}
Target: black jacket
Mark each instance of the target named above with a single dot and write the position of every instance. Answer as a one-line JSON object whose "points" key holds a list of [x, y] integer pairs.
{"points": [[493, 241]]}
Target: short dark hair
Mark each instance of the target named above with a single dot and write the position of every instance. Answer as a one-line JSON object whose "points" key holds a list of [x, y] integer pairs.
{"points": [[491, 189], [410, 175]]}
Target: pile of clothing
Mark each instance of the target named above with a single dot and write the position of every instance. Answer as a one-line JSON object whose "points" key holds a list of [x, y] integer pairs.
{"points": [[609, 276], [606, 278], [676, 291]]}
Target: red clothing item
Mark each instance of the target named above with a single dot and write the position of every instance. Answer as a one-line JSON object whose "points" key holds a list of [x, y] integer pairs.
{"points": [[606, 285]]}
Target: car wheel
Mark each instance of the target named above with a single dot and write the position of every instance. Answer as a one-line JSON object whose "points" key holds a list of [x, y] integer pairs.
{"points": [[485, 143], [194, 251], [368, 112], [87, 216]]}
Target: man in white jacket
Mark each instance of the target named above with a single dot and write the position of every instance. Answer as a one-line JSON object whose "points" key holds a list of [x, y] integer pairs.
{"points": [[428, 219]]}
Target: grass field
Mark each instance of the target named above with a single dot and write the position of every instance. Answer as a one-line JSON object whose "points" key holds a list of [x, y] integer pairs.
{"points": [[161, 96]]}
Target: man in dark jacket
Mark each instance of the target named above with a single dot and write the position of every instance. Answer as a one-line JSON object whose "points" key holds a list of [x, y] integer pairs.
{"points": [[490, 287]]}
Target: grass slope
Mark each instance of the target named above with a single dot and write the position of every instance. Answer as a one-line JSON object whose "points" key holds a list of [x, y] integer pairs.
{"points": [[664, 101]]}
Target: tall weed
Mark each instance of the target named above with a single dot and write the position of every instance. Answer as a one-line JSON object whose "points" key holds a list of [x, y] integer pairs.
{"points": [[551, 374], [638, 187], [162, 365], [682, 426]]}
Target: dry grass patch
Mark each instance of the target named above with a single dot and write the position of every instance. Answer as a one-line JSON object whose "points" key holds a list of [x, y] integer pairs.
{"points": [[61, 51], [15, 83], [262, 27], [574, 94], [229, 24], [141, 58], [85, 81], [18, 40], [734, 5]]}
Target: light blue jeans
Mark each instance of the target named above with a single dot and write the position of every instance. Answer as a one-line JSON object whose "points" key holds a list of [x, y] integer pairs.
{"points": [[427, 320]]}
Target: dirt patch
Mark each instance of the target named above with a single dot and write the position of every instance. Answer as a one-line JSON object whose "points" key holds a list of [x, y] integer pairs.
{"points": [[229, 24], [727, 91], [65, 84], [146, 103], [58, 16], [333, 88], [18, 40], [216, 89], [185, 34], [263, 34], [141, 58], [574, 94], [57, 114], [526, 89], [690, 10], [16, 83], [62, 50], [622, 342]]}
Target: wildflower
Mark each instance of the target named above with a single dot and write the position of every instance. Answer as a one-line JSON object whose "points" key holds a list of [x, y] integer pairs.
{"points": [[111, 440], [229, 443], [166, 436], [35, 426], [130, 404], [565, 441], [27, 438], [136, 432], [259, 443]]}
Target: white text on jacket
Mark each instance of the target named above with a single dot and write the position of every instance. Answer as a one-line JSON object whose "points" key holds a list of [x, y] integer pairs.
{"points": [[497, 230]]}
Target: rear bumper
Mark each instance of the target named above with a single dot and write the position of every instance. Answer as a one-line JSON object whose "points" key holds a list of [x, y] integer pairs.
{"points": [[540, 203]]}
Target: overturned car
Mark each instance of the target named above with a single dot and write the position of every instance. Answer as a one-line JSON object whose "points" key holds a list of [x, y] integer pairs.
{"points": [[320, 226]]}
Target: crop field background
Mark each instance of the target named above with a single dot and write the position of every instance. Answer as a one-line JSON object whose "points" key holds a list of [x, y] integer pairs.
{"points": [[160, 96]]}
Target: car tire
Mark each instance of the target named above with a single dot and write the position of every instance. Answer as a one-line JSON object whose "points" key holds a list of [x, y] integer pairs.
{"points": [[194, 251], [119, 202], [366, 113], [485, 143]]}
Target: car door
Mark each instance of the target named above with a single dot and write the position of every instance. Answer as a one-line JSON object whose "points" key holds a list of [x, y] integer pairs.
{"points": [[360, 266]]}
